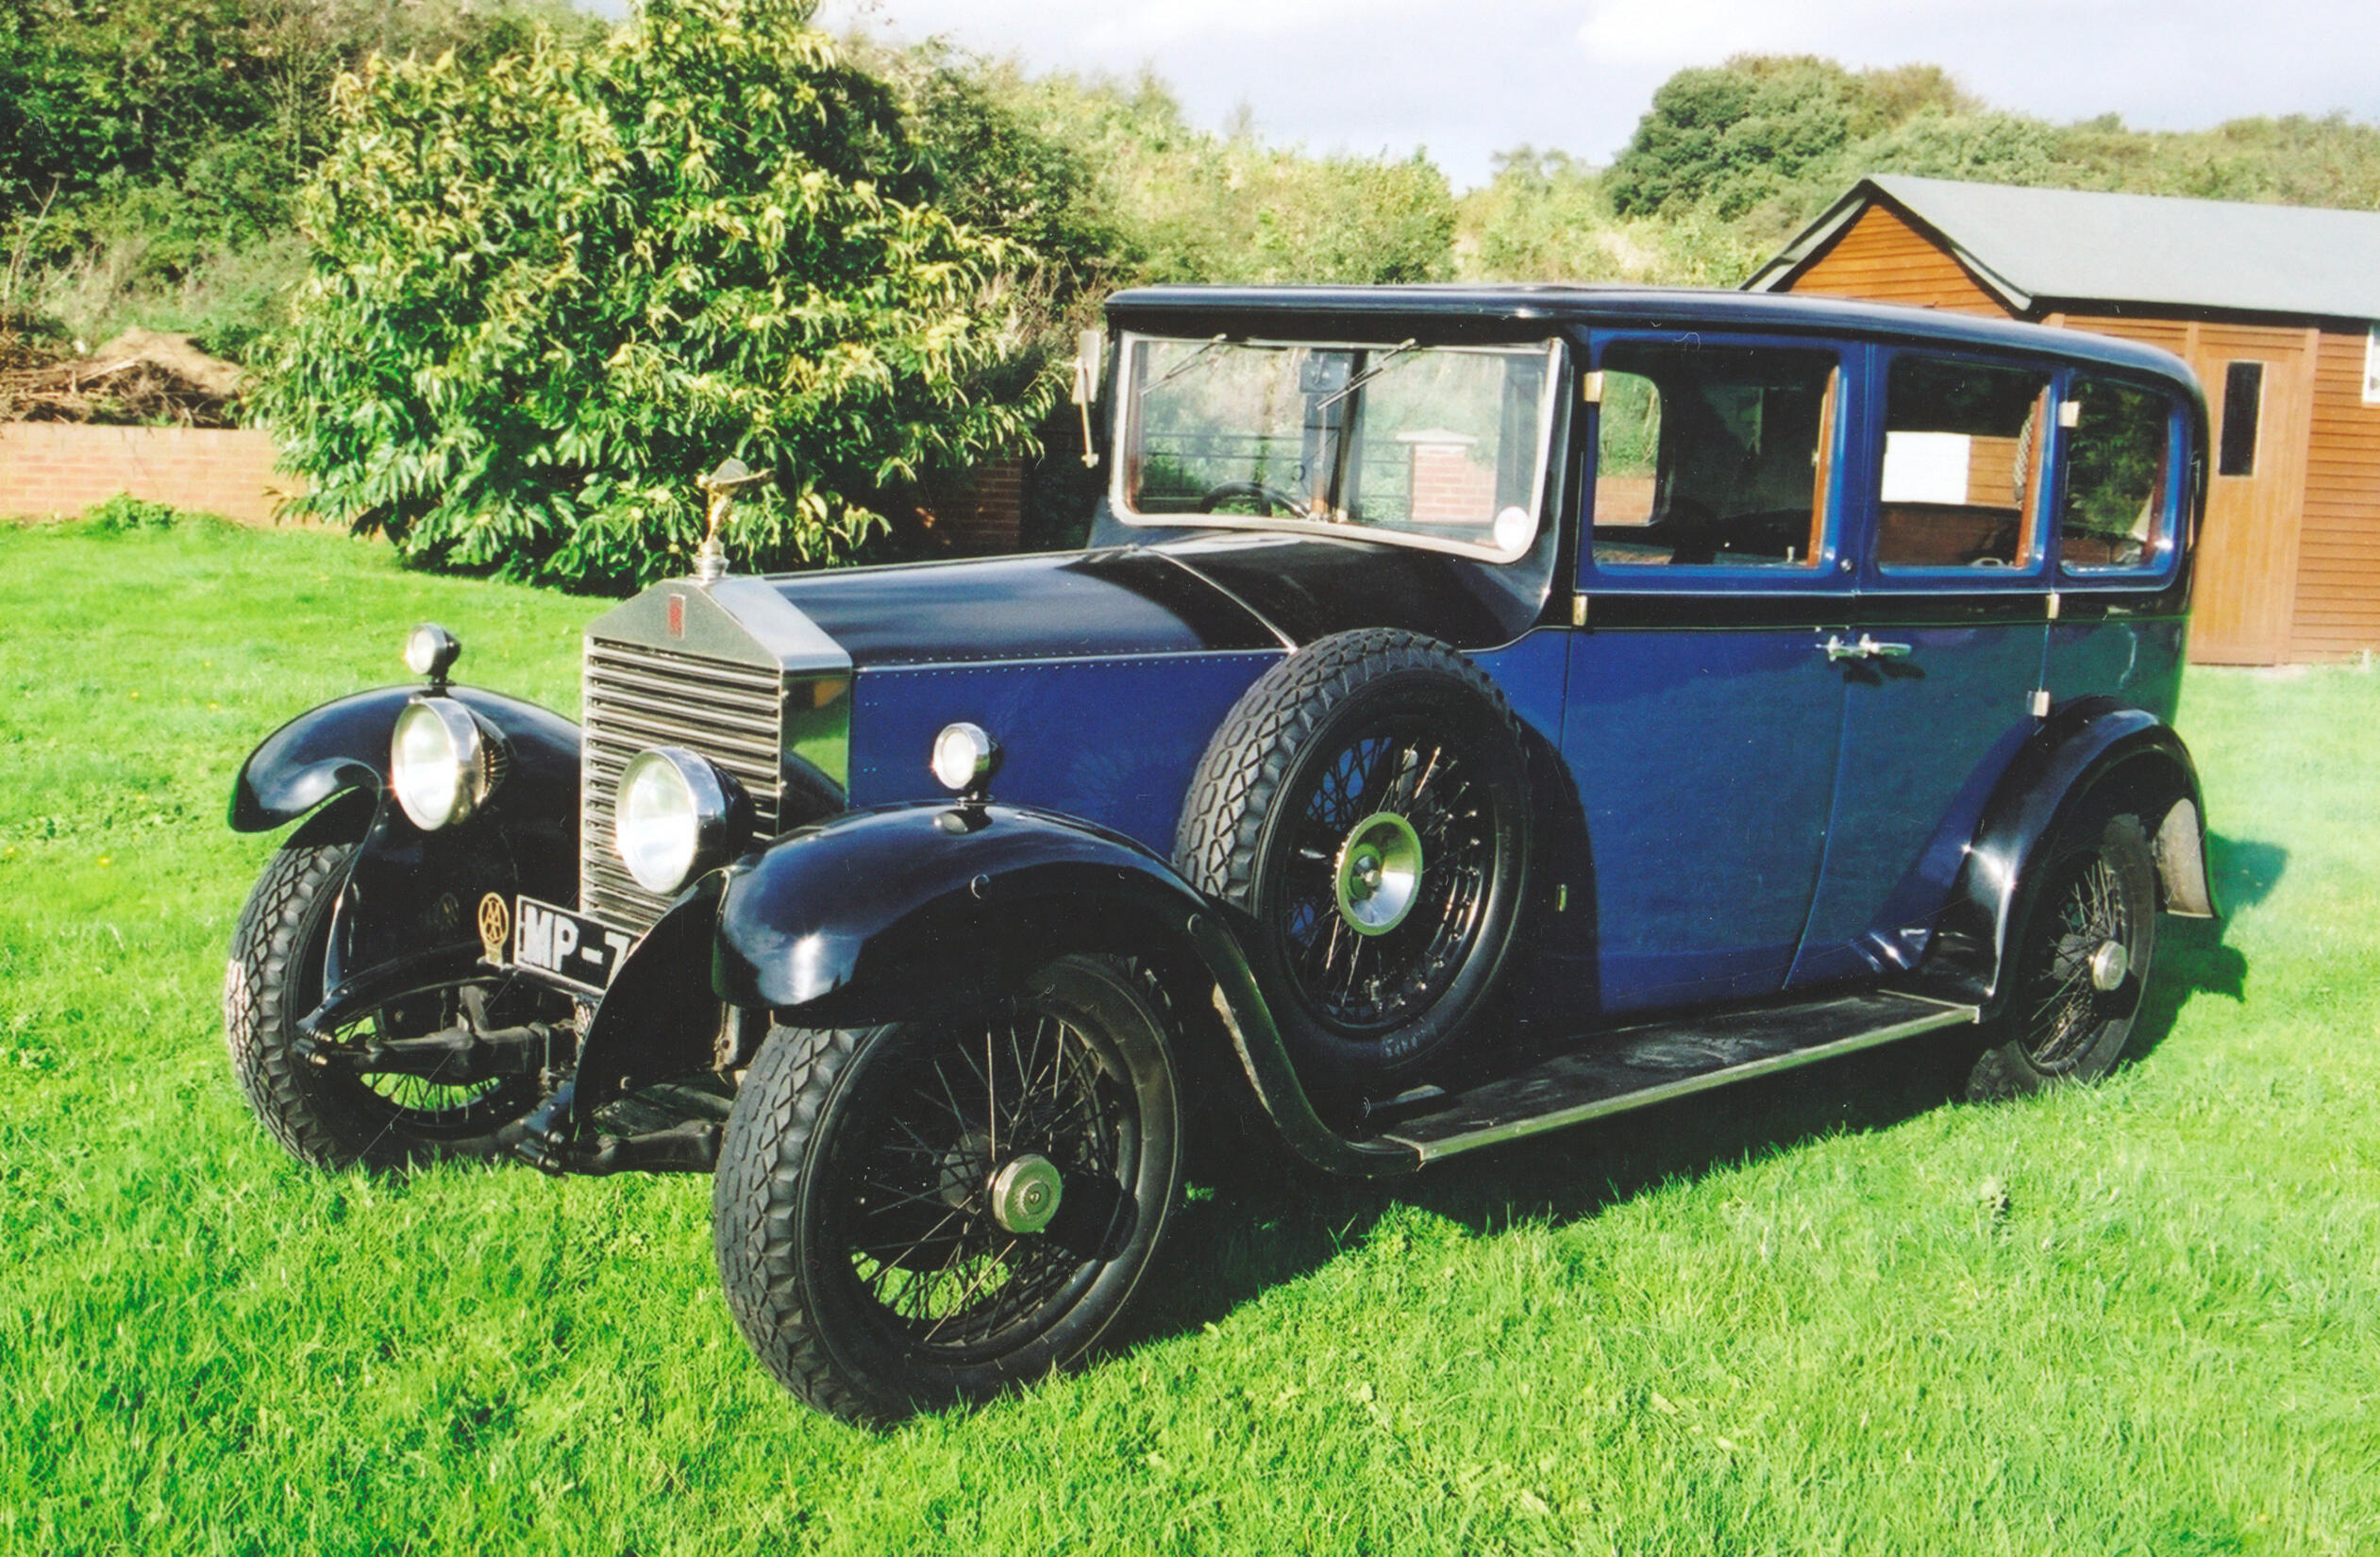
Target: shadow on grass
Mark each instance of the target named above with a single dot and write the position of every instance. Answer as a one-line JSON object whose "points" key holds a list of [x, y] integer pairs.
{"points": [[2191, 957], [1278, 1223], [1273, 1222]]}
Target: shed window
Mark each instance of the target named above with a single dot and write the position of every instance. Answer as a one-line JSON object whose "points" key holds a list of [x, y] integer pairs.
{"points": [[1963, 449], [2372, 367], [2117, 464], [2243, 403]]}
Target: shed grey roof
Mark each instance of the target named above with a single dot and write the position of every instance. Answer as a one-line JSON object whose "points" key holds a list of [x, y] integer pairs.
{"points": [[2029, 244]]}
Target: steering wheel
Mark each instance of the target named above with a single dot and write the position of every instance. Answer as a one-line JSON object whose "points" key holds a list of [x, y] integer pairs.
{"points": [[1271, 496]]}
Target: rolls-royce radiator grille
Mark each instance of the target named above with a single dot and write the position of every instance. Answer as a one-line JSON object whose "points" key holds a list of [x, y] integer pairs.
{"points": [[638, 698]]}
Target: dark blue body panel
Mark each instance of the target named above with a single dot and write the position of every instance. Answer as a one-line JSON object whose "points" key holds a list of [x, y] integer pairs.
{"points": [[1700, 757], [1112, 742]]}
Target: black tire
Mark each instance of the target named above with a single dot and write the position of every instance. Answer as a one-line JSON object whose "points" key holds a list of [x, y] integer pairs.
{"points": [[1323, 745], [853, 1215], [2069, 1005], [273, 978]]}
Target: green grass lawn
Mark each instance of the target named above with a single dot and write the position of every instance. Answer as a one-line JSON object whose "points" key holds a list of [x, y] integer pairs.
{"points": [[1835, 1311]]}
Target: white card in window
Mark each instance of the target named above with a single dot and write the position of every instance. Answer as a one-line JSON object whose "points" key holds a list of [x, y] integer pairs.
{"points": [[1925, 467]]}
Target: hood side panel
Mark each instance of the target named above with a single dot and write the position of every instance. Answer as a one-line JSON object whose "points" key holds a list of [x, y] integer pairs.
{"points": [[1055, 606], [1112, 742]]}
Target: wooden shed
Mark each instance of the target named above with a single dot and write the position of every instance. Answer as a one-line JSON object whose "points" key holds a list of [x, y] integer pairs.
{"points": [[2274, 307]]}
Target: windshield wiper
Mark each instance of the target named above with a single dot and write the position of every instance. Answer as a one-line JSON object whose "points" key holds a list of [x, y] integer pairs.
{"points": [[1365, 377], [1188, 362]]}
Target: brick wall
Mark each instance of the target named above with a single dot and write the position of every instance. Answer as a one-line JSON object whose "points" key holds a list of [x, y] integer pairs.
{"points": [[980, 515], [1447, 486], [56, 468]]}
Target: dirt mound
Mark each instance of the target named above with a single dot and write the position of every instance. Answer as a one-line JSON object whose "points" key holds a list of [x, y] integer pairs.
{"points": [[141, 378]]}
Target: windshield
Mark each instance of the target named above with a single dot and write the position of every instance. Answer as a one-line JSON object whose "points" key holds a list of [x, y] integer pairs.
{"points": [[1440, 445]]}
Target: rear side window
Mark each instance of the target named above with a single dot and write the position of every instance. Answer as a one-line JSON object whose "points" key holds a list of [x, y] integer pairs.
{"points": [[1964, 444], [1712, 456], [2118, 459]]}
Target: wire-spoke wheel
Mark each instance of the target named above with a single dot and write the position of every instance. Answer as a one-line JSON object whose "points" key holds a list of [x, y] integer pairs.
{"points": [[2079, 964], [1382, 876], [926, 1212], [273, 979], [1366, 802]]}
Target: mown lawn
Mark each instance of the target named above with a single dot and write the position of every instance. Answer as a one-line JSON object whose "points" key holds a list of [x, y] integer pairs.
{"points": [[1836, 1313]]}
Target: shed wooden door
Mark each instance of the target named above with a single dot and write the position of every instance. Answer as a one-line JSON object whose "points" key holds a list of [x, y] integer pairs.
{"points": [[2246, 588]]}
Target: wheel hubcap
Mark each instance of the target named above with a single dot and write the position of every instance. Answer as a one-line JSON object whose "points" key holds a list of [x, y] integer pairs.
{"points": [[1024, 1194], [1379, 873], [2108, 966]]}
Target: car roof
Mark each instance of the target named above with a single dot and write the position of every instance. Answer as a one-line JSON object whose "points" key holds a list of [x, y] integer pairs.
{"points": [[1203, 310]]}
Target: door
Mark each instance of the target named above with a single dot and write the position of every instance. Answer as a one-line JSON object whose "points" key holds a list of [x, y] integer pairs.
{"points": [[1941, 674], [1700, 727], [2259, 396]]}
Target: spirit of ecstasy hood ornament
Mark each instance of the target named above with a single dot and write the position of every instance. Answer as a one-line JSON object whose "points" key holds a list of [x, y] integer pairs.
{"points": [[721, 485]]}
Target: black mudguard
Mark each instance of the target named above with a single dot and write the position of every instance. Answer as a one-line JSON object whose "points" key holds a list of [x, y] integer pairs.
{"points": [[2094, 750], [901, 912], [660, 1019], [407, 912]]}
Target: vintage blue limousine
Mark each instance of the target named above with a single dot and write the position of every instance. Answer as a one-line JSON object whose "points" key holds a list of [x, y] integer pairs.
{"points": [[1477, 711]]}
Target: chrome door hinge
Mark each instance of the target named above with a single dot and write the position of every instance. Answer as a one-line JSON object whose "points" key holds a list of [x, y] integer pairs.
{"points": [[2041, 702], [1578, 610]]}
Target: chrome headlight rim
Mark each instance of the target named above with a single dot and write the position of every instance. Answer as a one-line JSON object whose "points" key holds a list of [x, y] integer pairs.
{"points": [[705, 831], [444, 762], [963, 757]]}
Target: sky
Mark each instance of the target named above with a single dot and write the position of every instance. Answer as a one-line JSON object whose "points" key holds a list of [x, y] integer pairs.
{"points": [[1467, 79]]}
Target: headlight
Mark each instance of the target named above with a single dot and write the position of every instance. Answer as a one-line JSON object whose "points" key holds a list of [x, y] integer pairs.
{"points": [[675, 817], [444, 763], [430, 650], [964, 757]]}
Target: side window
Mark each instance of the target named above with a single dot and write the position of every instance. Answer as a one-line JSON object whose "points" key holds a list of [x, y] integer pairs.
{"points": [[1712, 456], [2114, 515], [1963, 450], [2243, 402]]}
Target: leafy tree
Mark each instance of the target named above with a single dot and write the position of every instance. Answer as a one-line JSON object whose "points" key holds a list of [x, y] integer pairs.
{"points": [[549, 295], [1188, 205]]}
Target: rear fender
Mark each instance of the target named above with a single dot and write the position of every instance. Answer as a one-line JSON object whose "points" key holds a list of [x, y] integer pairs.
{"points": [[2094, 753], [911, 909]]}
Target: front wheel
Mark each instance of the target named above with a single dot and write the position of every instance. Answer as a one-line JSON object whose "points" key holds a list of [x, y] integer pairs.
{"points": [[274, 978], [2079, 964], [926, 1212]]}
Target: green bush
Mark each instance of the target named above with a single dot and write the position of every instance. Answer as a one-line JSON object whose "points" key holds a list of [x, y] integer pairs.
{"points": [[549, 295]]}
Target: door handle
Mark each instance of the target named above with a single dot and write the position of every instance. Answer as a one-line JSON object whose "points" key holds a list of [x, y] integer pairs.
{"points": [[1866, 648]]}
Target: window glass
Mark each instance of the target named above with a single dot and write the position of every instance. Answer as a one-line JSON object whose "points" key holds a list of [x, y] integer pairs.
{"points": [[2243, 400], [1441, 444], [1710, 455], [1963, 445], [2116, 477]]}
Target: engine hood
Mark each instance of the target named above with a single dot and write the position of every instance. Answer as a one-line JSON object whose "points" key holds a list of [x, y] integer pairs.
{"points": [[1205, 593]]}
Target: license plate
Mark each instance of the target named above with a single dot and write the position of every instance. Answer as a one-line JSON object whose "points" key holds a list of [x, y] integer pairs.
{"points": [[568, 946]]}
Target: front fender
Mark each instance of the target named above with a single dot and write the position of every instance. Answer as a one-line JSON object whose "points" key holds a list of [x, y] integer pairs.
{"points": [[876, 906], [890, 913], [344, 745], [2096, 749], [406, 914]]}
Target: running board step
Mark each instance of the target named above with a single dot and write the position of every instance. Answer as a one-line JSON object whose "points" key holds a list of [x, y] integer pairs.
{"points": [[1636, 1067]]}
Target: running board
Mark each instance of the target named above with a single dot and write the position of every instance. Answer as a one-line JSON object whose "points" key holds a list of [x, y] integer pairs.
{"points": [[1636, 1067]]}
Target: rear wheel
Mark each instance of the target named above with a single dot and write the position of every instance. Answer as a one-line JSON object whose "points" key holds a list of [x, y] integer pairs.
{"points": [[274, 978], [2079, 964], [924, 1213]]}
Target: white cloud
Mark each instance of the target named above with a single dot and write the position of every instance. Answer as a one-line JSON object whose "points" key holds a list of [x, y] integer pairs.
{"points": [[1470, 77]]}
